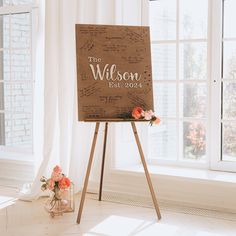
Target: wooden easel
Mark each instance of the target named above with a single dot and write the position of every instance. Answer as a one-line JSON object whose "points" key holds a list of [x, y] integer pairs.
{"points": [[103, 162]]}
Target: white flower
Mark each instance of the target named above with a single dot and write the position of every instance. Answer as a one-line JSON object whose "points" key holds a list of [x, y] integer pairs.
{"points": [[148, 115]]}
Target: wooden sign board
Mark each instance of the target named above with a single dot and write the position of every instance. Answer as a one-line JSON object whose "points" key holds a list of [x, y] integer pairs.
{"points": [[113, 70]]}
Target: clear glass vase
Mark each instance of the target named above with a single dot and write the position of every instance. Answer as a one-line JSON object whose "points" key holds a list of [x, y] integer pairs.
{"points": [[60, 201]]}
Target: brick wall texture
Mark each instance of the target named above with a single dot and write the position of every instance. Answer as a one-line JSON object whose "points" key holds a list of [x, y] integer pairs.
{"points": [[17, 97]]}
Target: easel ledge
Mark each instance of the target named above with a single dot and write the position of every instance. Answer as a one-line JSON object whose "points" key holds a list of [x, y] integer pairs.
{"points": [[98, 121], [113, 120]]}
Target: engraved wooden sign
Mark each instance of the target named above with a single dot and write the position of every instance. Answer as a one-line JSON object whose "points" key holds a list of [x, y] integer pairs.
{"points": [[113, 70]]}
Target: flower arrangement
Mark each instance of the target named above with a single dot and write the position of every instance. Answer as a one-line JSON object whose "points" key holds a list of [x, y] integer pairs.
{"points": [[62, 199], [139, 113], [58, 183]]}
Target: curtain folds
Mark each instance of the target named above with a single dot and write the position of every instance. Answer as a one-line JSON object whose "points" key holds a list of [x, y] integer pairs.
{"points": [[65, 141]]}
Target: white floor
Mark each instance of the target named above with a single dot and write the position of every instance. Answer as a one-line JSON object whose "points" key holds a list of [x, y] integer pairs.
{"points": [[106, 219]]}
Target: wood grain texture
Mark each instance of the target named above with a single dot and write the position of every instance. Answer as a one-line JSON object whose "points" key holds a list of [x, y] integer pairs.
{"points": [[88, 172], [154, 199], [102, 169], [103, 161], [114, 72], [108, 218]]}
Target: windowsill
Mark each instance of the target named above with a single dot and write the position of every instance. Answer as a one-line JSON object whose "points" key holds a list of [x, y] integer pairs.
{"points": [[15, 156], [188, 173], [16, 168]]}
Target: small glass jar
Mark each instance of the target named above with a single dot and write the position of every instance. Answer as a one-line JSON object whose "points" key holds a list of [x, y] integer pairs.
{"points": [[61, 201]]}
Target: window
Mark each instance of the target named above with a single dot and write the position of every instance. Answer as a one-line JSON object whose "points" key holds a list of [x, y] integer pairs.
{"points": [[179, 34], [224, 86], [228, 83], [16, 80], [194, 71]]}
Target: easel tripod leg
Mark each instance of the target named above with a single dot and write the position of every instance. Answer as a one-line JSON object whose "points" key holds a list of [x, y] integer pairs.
{"points": [[103, 161], [88, 172], [146, 170]]}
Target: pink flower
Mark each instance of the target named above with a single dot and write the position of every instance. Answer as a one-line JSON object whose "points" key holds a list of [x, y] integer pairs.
{"points": [[64, 183], [157, 121], [50, 184], [137, 113], [56, 176], [57, 169], [57, 173]]}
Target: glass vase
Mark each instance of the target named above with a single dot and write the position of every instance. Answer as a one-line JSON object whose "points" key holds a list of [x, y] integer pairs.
{"points": [[60, 201]]}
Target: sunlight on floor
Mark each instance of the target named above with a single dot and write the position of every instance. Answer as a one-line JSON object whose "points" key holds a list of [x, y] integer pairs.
{"points": [[104, 219], [6, 201], [202, 233], [117, 225]]}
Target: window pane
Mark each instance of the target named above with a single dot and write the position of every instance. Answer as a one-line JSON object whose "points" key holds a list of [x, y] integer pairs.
{"points": [[6, 97], [16, 98], [2, 129], [163, 19], [193, 100], [229, 142], [15, 68], [21, 65], [4, 65], [18, 130], [229, 17], [193, 61], [1, 66], [229, 105], [22, 2], [4, 31], [229, 69], [4, 2], [194, 140], [1, 97], [193, 18], [20, 31], [21, 98], [164, 61], [162, 141], [165, 99]]}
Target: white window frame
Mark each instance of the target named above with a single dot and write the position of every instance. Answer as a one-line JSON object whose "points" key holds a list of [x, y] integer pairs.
{"points": [[23, 161], [8, 152], [213, 116], [213, 121], [172, 184], [217, 41], [204, 164]]}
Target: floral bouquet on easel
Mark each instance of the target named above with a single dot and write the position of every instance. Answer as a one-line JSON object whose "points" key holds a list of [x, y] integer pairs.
{"points": [[61, 199], [138, 113]]}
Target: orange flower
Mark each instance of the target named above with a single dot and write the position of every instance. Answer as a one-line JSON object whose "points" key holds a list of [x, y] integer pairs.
{"points": [[64, 183], [137, 113]]}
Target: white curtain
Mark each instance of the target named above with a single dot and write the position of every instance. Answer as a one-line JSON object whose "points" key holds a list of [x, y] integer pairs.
{"points": [[65, 141]]}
